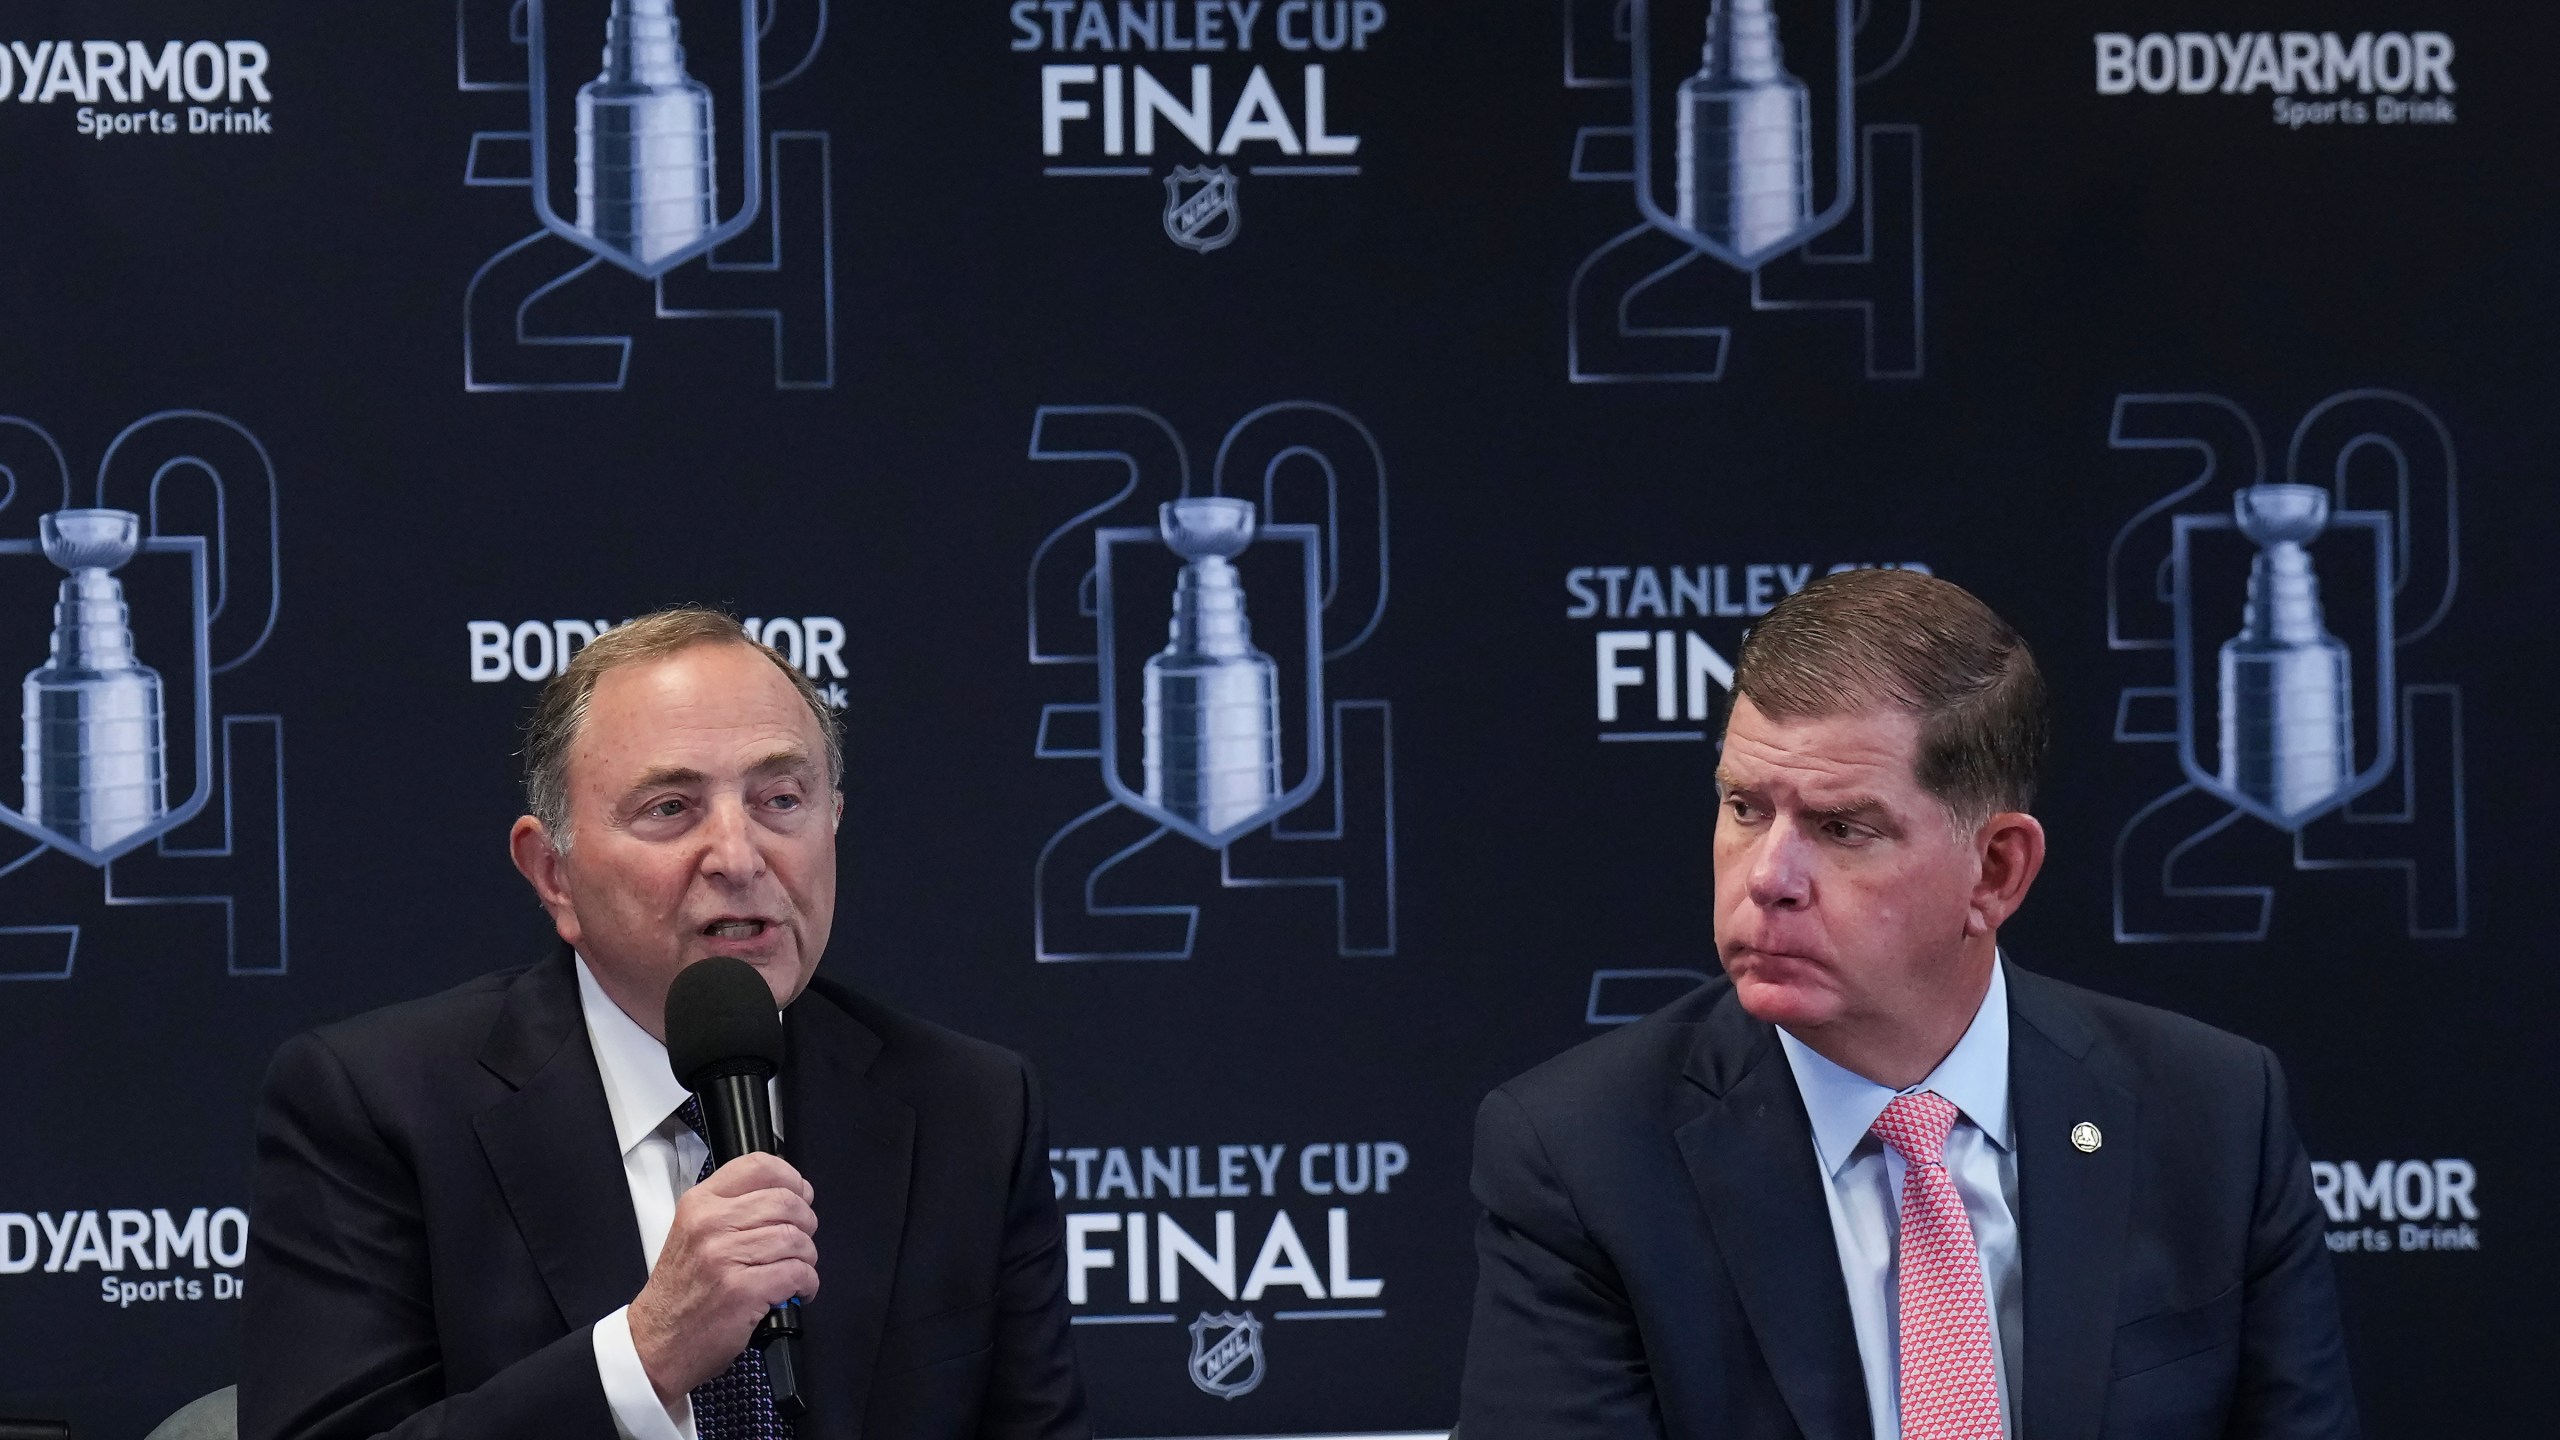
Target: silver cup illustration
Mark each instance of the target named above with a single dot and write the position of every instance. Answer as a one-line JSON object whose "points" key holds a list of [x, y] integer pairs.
{"points": [[95, 761], [2288, 717], [1745, 155], [646, 186], [1213, 701]]}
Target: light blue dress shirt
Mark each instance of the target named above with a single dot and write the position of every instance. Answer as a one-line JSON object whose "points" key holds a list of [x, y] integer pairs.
{"points": [[1863, 1186]]}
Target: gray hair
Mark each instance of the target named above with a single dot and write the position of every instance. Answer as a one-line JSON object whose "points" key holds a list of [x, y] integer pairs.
{"points": [[560, 711]]}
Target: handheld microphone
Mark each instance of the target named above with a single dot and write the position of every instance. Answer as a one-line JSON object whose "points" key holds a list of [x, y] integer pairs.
{"points": [[724, 1042]]}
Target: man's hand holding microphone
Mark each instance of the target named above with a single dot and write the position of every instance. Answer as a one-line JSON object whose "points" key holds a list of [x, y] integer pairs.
{"points": [[742, 1252], [743, 1241]]}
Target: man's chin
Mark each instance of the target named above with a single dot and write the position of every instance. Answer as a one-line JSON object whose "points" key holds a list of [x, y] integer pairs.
{"points": [[783, 972], [1791, 1002]]}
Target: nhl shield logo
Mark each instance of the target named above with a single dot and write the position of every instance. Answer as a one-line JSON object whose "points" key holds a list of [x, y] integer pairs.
{"points": [[1226, 1353], [1200, 207]]}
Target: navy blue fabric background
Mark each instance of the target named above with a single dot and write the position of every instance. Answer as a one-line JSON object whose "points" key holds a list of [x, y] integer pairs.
{"points": [[938, 362]]}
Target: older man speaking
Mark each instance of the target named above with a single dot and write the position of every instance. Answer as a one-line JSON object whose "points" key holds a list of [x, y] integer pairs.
{"points": [[490, 1213], [1879, 1181]]}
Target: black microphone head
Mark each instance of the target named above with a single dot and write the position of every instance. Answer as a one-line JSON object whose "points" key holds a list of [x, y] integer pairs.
{"points": [[721, 1021]]}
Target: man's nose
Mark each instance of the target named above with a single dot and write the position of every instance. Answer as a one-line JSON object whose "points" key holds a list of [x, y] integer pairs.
{"points": [[1780, 877], [729, 847]]}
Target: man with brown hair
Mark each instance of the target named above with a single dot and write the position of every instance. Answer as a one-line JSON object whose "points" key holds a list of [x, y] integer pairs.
{"points": [[1878, 1181], [490, 1213]]}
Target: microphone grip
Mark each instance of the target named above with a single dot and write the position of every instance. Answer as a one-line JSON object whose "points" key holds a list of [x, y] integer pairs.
{"points": [[737, 1119], [778, 1337]]}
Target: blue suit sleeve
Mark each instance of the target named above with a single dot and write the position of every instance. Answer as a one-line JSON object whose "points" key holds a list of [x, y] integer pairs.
{"points": [[1036, 1392], [1554, 1352], [338, 1330], [2293, 1363]]}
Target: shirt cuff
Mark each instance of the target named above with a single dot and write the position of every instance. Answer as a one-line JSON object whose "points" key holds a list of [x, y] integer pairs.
{"points": [[637, 1415]]}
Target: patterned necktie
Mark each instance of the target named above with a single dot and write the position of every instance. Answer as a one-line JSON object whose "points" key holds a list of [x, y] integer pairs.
{"points": [[1950, 1374], [737, 1403]]}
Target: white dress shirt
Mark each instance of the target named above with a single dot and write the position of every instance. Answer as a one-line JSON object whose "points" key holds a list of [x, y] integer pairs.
{"points": [[1863, 1186], [660, 1157]]}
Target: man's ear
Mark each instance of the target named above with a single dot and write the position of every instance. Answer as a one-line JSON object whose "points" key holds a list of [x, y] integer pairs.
{"points": [[529, 844], [2011, 844], [836, 822]]}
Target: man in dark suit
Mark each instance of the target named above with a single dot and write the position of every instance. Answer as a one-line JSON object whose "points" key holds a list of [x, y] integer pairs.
{"points": [[1877, 1180], [489, 1213]]}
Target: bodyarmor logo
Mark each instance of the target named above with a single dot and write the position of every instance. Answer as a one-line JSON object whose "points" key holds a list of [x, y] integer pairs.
{"points": [[1226, 1353], [539, 649], [1213, 626], [156, 1244], [638, 131], [227, 80], [1733, 126], [2287, 611], [2392, 78], [1200, 207], [2426, 1205], [128, 770]]}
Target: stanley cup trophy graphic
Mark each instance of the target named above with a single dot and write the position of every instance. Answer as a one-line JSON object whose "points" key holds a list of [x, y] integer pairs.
{"points": [[1745, 162], [2288, 730], [1213, 701], [645, 182], [95, 768]]}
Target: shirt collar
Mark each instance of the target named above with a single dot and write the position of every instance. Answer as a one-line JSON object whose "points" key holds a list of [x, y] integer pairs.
{"points": [[639, 1088], [1974, 1077]]}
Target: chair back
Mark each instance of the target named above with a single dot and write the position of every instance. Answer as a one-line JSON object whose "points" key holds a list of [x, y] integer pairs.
{"points": [[207, 1417]]}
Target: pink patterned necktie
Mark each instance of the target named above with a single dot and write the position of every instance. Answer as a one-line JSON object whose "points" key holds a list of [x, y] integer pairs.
{"points": [[1950, 1373]]}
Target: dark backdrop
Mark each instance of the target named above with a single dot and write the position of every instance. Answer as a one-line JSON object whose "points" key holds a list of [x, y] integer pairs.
{"points": [[2033, 336]]}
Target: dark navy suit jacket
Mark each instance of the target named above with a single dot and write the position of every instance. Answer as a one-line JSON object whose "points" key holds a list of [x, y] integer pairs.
{"points": [[442, 1214], [1656, 1255]]}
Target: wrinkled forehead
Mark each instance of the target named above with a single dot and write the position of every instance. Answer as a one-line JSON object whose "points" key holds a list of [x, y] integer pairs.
{"points": [[715, 711], [1867, 751]]}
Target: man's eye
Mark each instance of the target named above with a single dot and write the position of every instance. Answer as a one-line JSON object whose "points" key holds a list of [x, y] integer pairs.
{"points": [[667, 809], [1740, 807], [1843, 831], [786, 800]]}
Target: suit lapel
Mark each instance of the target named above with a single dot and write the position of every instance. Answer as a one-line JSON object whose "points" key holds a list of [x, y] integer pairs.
{"points": [[854, 1141], [550, 1144], [1750, 1154], [2073, 1206]]}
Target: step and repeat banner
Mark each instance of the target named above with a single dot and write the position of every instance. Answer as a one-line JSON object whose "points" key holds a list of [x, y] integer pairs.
{"points": [[358, 363]]}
